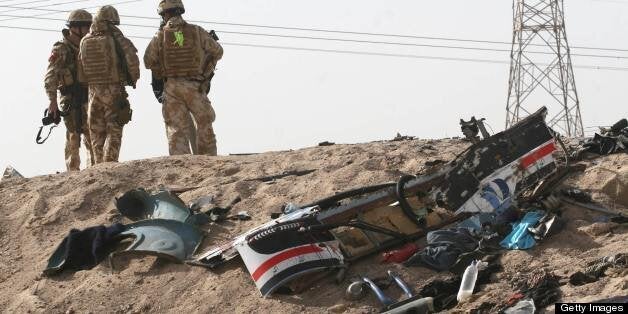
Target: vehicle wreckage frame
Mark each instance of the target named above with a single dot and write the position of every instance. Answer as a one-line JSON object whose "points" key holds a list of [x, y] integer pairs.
{"points": [[329, 233], [487, 178]]}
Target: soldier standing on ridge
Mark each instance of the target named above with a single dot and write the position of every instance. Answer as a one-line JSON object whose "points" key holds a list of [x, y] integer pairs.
{"points": [[62, 75], [184, 56], [108, 63]]}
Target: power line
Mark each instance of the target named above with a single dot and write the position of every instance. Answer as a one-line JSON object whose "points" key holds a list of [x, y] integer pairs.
{"points": [[352, 52], [346, 40], [23, 3], [37, 7], [354, 33], [64, 11], [366, 33], [53, 11]]}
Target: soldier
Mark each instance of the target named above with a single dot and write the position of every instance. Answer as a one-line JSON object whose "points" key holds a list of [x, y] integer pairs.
{"points": [[184, 56], [62, 75], [108, 63]]}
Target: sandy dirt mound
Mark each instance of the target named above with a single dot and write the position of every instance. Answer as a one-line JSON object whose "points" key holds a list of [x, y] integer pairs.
{"points": [[36, 213]]}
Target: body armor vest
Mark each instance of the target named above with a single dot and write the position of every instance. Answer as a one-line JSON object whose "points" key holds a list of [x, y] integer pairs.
{"points": [[100, 60], [183, 55]]}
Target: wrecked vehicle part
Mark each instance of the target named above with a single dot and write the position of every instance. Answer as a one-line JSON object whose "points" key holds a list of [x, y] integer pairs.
{"points": [[551, 203], [593, 207], [201, 202], [340, 213], [10, 172], [170, 239], [486, 178], [470, 129], [547, 185], [548, 226], [402, 284], [226, 251], [577, 195], [617, 127], [359, 225], [415, 215], [494, 171], [355, 291], [335, 199], [609, 141], [597, 269], [416, 304], [271, 178], [278, 254], [381, 296], [139, 205], [412, 303]]}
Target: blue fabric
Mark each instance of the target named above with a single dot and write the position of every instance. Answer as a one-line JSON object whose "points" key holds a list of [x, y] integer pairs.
{"points": [[502, 215], [520, 238]]}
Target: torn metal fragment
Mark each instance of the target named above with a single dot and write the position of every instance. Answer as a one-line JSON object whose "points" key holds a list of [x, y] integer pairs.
{"points": [[494, 171], [362, 221], [10, 172], [170, 239], [139, 204], [281, 253]]}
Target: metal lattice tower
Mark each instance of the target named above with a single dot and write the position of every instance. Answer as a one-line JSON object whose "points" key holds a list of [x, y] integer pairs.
{"points": [[541, 73]]}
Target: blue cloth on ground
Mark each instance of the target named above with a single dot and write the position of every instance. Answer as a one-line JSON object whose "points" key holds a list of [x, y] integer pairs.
{"points": [[520, 238]]}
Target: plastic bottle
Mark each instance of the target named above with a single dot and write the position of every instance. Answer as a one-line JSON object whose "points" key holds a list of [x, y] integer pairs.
{"points": [[468, 282]]}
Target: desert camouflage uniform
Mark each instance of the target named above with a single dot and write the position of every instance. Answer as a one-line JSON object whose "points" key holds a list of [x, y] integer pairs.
{"points": [[104, 96], [185, 94], [61, 74]]}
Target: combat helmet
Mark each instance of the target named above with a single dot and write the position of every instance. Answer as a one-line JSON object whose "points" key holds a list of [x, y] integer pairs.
{"points": [[79, 18], [109, 14], [170, 5]]}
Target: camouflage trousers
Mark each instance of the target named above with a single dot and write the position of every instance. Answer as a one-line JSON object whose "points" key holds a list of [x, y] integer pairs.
{"points": [[181, 98], [104, 130], [73, 140]]}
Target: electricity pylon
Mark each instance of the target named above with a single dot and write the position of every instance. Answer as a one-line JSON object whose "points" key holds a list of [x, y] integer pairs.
{"points": [[541, 73]]}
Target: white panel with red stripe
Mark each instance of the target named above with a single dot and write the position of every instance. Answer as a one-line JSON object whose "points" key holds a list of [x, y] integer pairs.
{"points": [[509, 176]]}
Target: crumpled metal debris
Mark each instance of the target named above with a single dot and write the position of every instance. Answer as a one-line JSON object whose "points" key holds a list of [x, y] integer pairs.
{"points": [[10, 172], [596, 269], [411, 304], [170, 239], [486, 178], [164, 226], [472, 128], [609, 141], [140, 205], [495, 171]]}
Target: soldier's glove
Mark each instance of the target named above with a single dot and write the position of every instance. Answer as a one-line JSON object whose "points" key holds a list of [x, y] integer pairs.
{"points": [[125, 113], [158, 89], [206, 85]]}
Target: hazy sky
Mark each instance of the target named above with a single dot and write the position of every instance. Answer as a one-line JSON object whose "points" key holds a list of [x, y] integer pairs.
{"points": [[273, 99]]}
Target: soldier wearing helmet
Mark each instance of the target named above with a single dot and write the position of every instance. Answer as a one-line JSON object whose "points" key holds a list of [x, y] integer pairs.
{"points": [[62, 78], [108, 63], [184, 55]]}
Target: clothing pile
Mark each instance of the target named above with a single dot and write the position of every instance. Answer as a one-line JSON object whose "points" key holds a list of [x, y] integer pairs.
{"points": [[83, 249]]}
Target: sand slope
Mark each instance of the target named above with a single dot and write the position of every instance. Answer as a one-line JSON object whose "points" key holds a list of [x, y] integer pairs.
{"points": [[36, 213]]}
